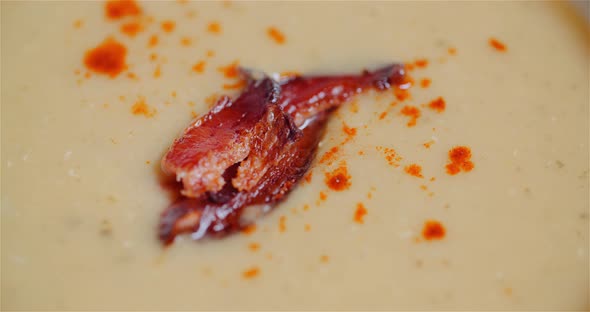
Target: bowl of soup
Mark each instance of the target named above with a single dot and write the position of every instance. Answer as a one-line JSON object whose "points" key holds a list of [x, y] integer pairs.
{"points": [[466, 190]]}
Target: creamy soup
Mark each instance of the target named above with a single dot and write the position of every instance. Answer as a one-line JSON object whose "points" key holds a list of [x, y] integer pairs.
{"points": [[506, 228]]}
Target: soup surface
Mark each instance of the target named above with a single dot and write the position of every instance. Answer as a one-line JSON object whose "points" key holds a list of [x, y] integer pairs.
{"points": [[82, 142]]}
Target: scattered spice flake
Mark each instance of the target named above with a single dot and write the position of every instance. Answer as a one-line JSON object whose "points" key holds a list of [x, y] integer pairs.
{"points": [[338, 180], [107, 58], [348, 130], [232, 86], [361, 153], [412, 112], [496, 44], [231, 70], [433, 230], [186, 41], [409, 66], [401, 94], [132, 76], [168, 26], [324, 258], [307, 227], [460, 158], [438, 104], [141, 108], [131, 29], [153, 57], [330, 156], [282, 224], [452, 51], [78, 24], [214, 28], [211, 100], [323, 196], [147, 162], [276, 35], [308, 177], [194, 114], [432, 179], [254, 246], [414, 170], [425, 82], [210, 53], [383, 115], [360, 213], [157, 72], [305, 207], [249, 229], [251, 273], [153, 41], [428, 144], [421, 63], [289, 74], [508, 291], [390, 154], [424, 187], [199, 67], [173, 94], [117, 9], [77, 72]]}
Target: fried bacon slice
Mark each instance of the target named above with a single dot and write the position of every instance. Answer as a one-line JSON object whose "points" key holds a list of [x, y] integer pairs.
{"points": [[246, 155]]}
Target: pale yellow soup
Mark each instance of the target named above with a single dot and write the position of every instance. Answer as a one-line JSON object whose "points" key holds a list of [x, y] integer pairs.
{"points": [[81, 195]]}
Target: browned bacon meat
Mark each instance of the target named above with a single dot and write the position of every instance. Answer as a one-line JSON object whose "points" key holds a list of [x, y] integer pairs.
{"points": [[249, 153]]}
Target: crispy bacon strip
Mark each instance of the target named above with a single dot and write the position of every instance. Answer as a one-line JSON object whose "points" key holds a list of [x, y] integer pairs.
{"points": [[251, 152]]}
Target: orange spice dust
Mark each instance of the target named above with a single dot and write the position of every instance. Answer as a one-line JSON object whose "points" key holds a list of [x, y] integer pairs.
{"points": [[132, 76], [438, 104], [307, 227], [254, 246], [425, 82], [282, 224], [230, 71], [214, 28], [131, 29], [414, 170], [153, 41], [330, 156], [390, 154], [339, 179], [107, 58], [421, 63], [147, 162], [452, 51], [428, 144], [496, 44], [323, 196], [186, 41], [349, 132], [433, 230], [308, 176], [324, 258], [168, 26], [153, 56], [194, 114], [412, 112], [276, 35], [382, 115], [78, 24], [249, 229], [251, 273], [360, 213], [173, 94], [401, 94], [305, 207], [117, 9], [141, 108], [157, 72], [199, 67], [210, 53], [211, 100], [460, 160]]}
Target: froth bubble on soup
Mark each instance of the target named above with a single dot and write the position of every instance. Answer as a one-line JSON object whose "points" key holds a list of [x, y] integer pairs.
{"points": [[465, 189]]}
